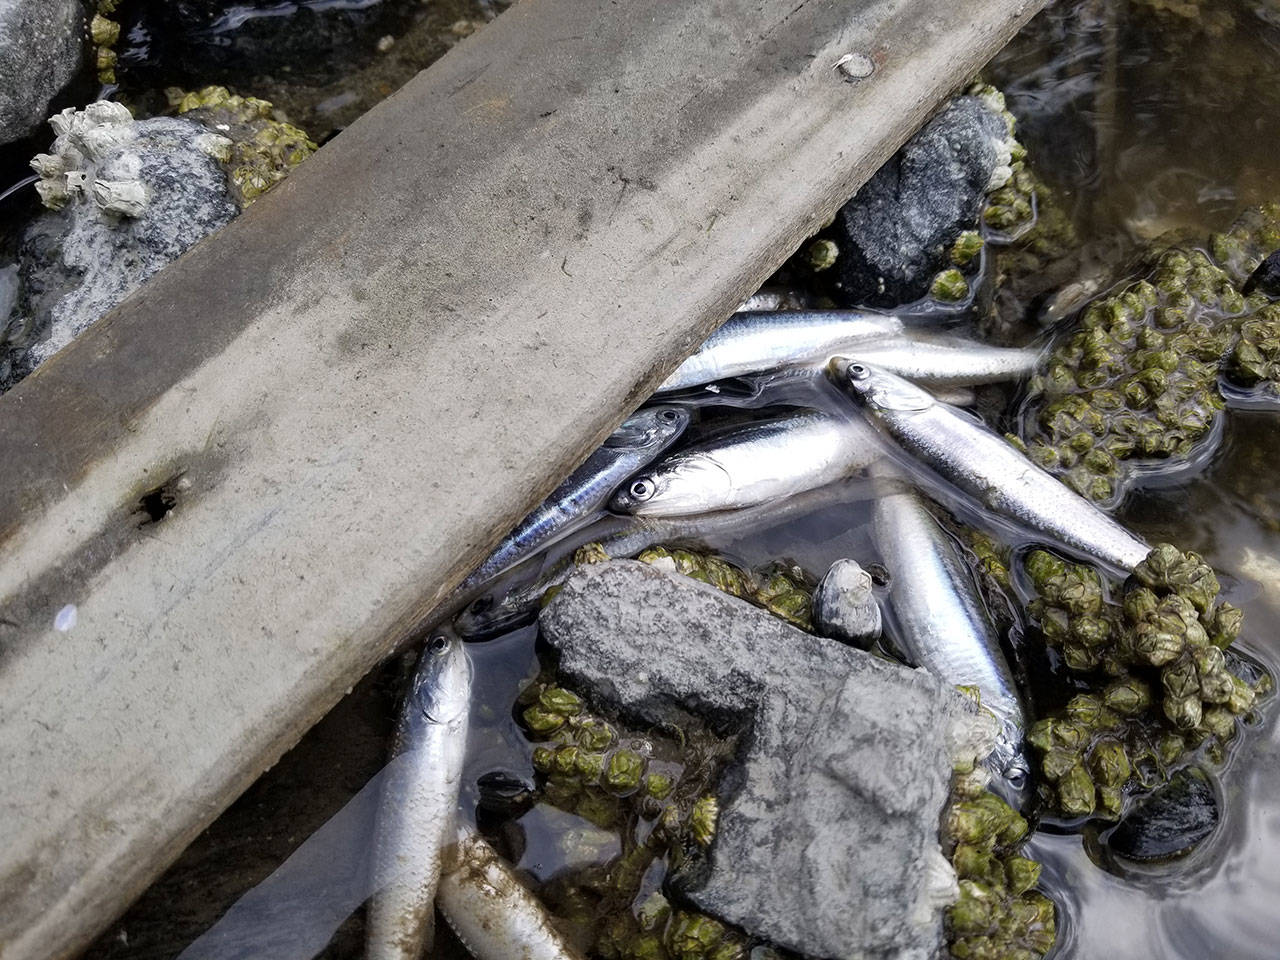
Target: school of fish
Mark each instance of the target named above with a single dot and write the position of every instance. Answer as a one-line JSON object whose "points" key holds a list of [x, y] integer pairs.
{"points": [[883, 416]]}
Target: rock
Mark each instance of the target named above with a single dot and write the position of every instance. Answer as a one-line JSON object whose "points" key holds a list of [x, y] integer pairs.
{"points": [[1169, 823], [896, 233], [844, 607], [1266, 278], [126, 198], [827, 839], [43, 45], [235, 41]]}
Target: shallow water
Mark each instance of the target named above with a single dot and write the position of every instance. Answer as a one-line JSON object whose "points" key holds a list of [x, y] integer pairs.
{"points": [[1144, 124]]}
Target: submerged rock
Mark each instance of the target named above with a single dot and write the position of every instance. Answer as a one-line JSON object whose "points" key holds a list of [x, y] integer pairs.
{"points": [[232, 41], [844, 607], [827, 836], [896, 234], [125, 199], [1169, 823], [43, 45]]}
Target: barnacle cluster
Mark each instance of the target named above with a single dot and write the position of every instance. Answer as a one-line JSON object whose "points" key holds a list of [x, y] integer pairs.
{"points": [[1137, 381], [1161, 645], [653, 794], [105, 32], [782, 588], [262, 150], [1255, 359], [999, 914]]}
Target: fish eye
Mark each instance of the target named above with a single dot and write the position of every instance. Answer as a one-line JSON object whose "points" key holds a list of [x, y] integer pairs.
{"points": [[641, 490], [670, 416], [438, 643], [482, 604], [1017, 777], [858, 371]]}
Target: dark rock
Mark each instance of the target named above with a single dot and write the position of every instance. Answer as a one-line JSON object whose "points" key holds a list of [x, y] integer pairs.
{"points": [[196, 42], [130, 197], [43, 45], [896, 233], [827, 841], [1265, 279], [1169, 823]]}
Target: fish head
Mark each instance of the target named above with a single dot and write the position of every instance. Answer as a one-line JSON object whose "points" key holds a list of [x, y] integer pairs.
{"points": [[676, 487], [876, 388], [1010, 764], [442, 681], [491, 614], [652, 428]]}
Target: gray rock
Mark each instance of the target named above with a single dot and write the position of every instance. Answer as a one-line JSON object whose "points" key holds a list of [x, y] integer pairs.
{"points": [[827, 841], [845, 607], [43, 45], [128, 198], [897, 231]]}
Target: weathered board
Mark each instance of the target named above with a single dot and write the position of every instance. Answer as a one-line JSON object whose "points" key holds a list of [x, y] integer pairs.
{"points": [[335, 405]]}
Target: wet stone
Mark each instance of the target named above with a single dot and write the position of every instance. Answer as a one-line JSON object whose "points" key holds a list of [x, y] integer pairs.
{"points": [[43, 45], [897, 232], [827, 838], [126, 198], [1169, 823], [1266, 278]]}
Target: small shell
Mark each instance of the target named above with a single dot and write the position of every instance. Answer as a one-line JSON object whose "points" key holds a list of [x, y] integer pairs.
{"points": [[844, 607]]}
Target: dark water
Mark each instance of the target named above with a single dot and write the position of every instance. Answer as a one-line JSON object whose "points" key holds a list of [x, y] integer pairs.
{"points": [[1145, 120]]}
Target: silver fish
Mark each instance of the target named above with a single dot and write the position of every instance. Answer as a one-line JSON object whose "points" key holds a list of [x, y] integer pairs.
{"points": [[749, 465], [641, 438], [508, 607], [502, 610], [417, 815], [754, 342], [942, 623], [844, 607], [985, 467], [494, 915], [938, 361]]}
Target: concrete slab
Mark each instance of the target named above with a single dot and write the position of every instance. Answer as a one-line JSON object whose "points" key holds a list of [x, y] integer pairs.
{"points": [[255, 477]]}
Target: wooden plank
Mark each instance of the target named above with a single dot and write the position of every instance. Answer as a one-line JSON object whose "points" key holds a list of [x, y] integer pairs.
{"points": [[346, 396]]}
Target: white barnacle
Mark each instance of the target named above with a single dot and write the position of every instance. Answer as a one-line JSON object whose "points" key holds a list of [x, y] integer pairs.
{"points": [[99, 142], [49, 165], [107, 113], [53, 192], [125, 198], [77, 183]]}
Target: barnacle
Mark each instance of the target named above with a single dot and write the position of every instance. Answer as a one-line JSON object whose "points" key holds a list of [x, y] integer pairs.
{"points": [[263, 147], [1137, 379], [999, 913], [1162, 683], [589, 766], [949, 286], [784, 589]]}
